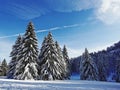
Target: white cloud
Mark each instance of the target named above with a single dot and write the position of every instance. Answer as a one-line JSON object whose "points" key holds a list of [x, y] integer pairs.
{"points": [[78, 51], [5, 48], [109, 11], [74, 52]]}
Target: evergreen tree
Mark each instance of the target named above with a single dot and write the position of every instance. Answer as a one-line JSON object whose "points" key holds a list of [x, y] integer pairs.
{"points": [[1, 71], [26, 68], [88, 69], [14, 56], [66, 58], [62, 60], [51, 67], [4, 67], [101, 67], [41, 52], [118, 71]]}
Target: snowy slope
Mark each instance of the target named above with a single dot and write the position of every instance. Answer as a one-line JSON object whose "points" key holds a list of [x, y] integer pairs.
{"points": [[7, 84]]}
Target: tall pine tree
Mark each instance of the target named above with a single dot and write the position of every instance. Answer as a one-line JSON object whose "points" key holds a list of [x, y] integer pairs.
{"points": [[51, 67], [26, 68], [66, 58], [14, 56], [88, 69]]}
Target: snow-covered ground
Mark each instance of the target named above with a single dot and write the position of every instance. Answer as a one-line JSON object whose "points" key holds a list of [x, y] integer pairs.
{"points": [[7, 84]]}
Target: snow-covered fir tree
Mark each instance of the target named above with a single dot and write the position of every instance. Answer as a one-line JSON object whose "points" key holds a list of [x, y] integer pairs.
{"points": [[118, 70], [4, 67], [50, 65], [101, 67], [26, 68], [88, 69], [62, 60], [40, 55], [1, 71], [14, 56], [66, 58]]}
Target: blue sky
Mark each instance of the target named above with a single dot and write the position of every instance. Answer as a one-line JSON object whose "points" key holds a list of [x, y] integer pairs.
{"points": [[76, 23]]}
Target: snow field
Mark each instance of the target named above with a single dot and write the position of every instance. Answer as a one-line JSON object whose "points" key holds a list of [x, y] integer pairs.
{"points": [[9, 84]]}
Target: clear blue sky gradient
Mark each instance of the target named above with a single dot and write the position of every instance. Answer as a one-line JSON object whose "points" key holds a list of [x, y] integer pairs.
{"points": [[87, 30]]}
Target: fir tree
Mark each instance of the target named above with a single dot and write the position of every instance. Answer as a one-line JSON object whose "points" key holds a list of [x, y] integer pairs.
{"points": [[101, 67], [62, 60], [88, 69], [14, 56], [41, 52], [4, 67], [26, 68], [66, 58], [1, 71], [51, 67]]}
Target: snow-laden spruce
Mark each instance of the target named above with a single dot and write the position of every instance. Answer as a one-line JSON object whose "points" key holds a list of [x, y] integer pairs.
{"points": [[66, 58], [51, 63], [4, 67], [26, 68], [62, 61], [88, 69], [14, 56], [101, 67]]}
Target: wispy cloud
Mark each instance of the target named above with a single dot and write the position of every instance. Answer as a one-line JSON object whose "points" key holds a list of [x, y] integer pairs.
{"points": [[9, 36], [26, 11], [69, 6], [106, 11], [45, 30], [29, 9]]}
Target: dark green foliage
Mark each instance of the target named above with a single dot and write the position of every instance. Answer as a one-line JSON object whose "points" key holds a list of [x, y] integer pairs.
{"points": [[68, 65], [26, 67], [51, 63], [14, 57], [88, 69], [101, 67], [4, 68]]}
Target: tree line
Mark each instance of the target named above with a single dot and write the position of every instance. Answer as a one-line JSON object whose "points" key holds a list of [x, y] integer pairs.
{"points": [[53, 63], [103, 65], [27, 63]]}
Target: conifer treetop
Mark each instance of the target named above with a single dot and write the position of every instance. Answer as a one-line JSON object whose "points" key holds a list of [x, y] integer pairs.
{"points": [[30, 31], [86, 55], [65, 53], [50, 38], [30, 25], [64, 48], [49, 35], [86, 51]]}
